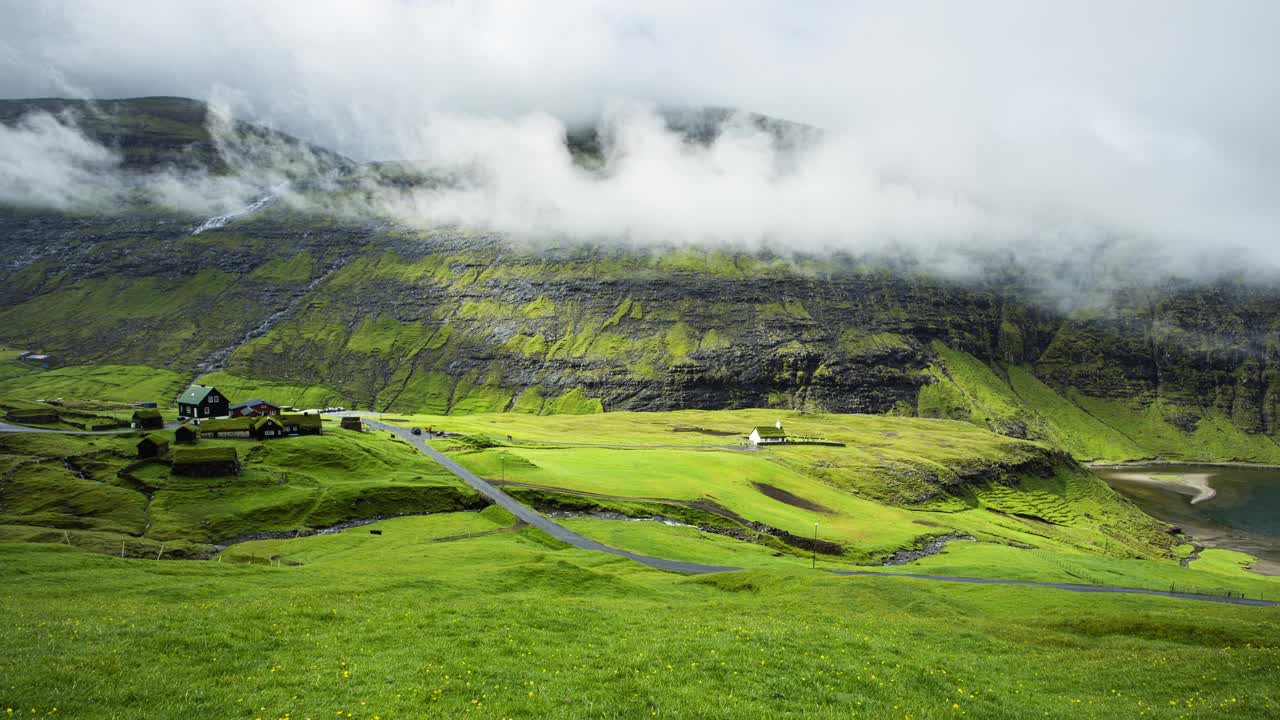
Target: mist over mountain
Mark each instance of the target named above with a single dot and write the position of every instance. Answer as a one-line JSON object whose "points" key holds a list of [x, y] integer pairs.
{"points": [[640, 177], [1134, 138], [840, 209]]}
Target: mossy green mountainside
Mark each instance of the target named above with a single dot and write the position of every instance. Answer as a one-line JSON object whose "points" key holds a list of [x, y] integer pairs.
{"points": [[316, 308]]}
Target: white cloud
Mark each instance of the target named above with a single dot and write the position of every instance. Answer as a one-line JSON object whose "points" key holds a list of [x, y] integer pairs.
{"points": [[1043, 129], [47, 162]]}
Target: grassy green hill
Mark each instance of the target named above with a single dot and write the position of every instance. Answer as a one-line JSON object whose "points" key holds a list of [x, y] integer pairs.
{"points": [[896, 482], [893, 485], [92, 492], [1009, 398]]}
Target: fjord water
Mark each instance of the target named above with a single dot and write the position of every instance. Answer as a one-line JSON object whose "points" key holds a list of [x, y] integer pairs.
{"points": [[1244, 515]]}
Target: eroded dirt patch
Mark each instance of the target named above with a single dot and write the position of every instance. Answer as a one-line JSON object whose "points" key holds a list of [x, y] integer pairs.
{"points": [[791, 499]]}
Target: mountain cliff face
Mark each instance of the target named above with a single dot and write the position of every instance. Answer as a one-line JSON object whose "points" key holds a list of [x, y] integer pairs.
{"points": [[312, 309]]}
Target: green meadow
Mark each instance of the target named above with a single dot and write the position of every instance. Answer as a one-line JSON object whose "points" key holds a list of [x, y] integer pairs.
{"points": [[462, 615], [454, 610], [116, 383], [92, 491]]}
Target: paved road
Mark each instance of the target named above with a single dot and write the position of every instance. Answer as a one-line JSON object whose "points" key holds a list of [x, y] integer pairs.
{"points": [[538, 520], [581, 542]]}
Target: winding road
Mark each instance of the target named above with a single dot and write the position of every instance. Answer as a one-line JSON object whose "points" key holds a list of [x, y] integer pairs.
{"points": [[536, 519]]}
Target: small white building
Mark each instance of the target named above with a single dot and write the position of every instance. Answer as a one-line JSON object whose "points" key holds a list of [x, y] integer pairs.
{"points": [[768, 435]]}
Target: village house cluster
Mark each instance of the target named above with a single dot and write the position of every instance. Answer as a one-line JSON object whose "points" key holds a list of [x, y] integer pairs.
{"points": [[207, 413]]}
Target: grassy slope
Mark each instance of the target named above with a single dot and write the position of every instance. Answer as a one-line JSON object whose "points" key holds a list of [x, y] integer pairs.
{"points": [[300, 396], [868, 492], [289, 484], [119, 383], [165, 321], [869, 489], [1090, 428], [405, 625], [683, 543], [1217, 572]]}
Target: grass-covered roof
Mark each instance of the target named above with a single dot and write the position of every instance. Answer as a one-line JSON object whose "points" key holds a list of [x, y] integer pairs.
{"points": [[770, 432], [228, 424], [154, 439], [187, 456], [306, 420], [147, 414]]}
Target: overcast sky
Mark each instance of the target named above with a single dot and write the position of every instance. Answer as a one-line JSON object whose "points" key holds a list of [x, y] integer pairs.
{"points": [[949, 120]]}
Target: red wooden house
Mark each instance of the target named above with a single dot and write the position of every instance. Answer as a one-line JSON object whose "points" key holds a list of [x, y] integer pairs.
{"points": [[254, 408]]}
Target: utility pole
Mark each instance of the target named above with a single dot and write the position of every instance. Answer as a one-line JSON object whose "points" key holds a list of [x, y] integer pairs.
{"points": [[503, 456]]}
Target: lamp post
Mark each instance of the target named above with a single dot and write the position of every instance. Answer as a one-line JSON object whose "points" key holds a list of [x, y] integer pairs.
{"points": [[815, 546], [503, 457]]}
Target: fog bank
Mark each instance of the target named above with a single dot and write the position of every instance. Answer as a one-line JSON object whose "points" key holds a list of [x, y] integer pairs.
{"points": [[1140, 133]]}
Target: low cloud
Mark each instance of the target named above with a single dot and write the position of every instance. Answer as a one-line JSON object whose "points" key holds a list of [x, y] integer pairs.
{"points": [[48, 161], [45, 161], [753, 188], [1084, 139]]}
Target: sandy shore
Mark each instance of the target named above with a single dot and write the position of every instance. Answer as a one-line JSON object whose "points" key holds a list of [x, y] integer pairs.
{"points": [[1148, 464], [1195, 485]]}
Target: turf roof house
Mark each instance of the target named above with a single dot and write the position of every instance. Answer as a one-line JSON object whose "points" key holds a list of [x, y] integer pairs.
{"points": [[186, 433], [301, 423], [148, 419], [205, 462], [768, 435], [256, 428], [153, 445], [201, 401]]}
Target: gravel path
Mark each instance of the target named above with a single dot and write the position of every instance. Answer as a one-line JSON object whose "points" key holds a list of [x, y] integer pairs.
{"points": [[581, 542]]}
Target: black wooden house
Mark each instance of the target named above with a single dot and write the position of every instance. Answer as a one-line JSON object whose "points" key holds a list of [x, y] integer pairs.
{"points": [[200, 401]]}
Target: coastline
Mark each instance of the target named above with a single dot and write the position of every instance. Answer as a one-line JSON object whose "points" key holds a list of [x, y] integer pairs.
{"points": [[1196, 485], [1126, 464], [1197, 488]]}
